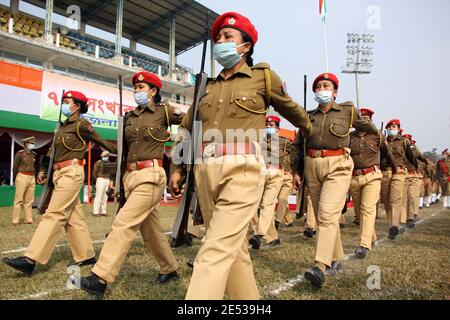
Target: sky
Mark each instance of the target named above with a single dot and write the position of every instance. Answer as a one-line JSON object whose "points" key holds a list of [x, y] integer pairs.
{"points": [[411, 55]]}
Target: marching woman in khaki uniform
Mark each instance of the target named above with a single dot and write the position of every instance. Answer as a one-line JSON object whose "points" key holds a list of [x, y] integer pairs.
{"points": [[263, 223], [102, 183], [229, 180], [144, 182], [443, 172], [365, 186], [427, 171], [23, 171], [64, 210], [394, 175], [329, 170]]}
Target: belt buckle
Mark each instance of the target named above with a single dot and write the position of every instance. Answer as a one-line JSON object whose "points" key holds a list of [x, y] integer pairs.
{"points": [[133, 166], [209, 150], [317, 153]]}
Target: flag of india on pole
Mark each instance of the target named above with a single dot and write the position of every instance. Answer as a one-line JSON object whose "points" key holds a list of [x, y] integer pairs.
{"points": [[323, 9]]}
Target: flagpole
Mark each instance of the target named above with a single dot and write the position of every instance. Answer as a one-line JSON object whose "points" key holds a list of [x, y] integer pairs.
{"points": [[325, 42]]}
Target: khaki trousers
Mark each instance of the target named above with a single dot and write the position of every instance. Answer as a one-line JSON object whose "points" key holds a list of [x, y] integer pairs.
{"points": [[265, 221], [64, 212], [143, 191], [328, 182], [283, 214], [391, 195], [410, 198], [311, 222], [365, 192], [101, 199], [427, 188], [229, 190], [444, 187], [23, 197]]}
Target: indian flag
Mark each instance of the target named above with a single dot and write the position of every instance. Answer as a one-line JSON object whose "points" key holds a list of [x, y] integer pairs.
{"points": [[323, 9]]}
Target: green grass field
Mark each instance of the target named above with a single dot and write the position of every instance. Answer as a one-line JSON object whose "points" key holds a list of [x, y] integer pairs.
{"points": [[415, 266]]}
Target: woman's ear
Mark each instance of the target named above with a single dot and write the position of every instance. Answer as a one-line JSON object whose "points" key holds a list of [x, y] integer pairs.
{"points": [[153, 92]]}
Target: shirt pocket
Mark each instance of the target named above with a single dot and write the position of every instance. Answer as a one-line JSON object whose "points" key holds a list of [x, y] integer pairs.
{"points": [[72, 142], [156, 133], [243, 104], [130, 130], [205, 109], [372, 147], [340, 126]]}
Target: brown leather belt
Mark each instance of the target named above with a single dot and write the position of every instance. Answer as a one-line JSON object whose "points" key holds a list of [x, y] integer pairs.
{"points": [[363, 172], [314, 153], [139, 165], [27, 173], [412, 172], [227, 149], [63, 164]]}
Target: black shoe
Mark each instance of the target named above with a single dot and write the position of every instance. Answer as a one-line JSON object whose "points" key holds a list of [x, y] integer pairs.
{"points": [[290, 225], [341, 225], [93, 285], [299, 215], [361, 252], [410, 224], [309, 233], [356, 222], [255, 242], [87, 262], [315, 276], [277, 225], [402, 228], [274, 243], [393, 233], [20, 264], [163, 278], [190, 263]]}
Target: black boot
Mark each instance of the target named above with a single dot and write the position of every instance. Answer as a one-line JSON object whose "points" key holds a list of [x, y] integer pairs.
{"points": [[393, 233], [87, 262], [255, 242], [163, 278], [93, 285], [315, 276], [21, 264], [309, 233], [274, 243], [190, 263], [361, 252], [410, 224]]}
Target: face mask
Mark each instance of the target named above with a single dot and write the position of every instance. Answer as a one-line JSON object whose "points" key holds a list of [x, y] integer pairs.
{"points": [[65, 109], [31, 146], [324, 97], [105, 158], [226, 54], [392, 133], [141, 98], [270, 131]]}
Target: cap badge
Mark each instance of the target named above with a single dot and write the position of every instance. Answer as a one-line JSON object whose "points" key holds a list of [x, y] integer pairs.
{"points": [[141, 77], [232, 21], [69, 95]]}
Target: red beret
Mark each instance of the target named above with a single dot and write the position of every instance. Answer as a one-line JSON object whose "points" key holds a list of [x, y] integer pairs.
{"points": [[393, 121], [273, 119], [326, 76], [236, 21], [407, 136], [366, 112], [413, 141], [147, 77], [75, 95], [445, 151]]}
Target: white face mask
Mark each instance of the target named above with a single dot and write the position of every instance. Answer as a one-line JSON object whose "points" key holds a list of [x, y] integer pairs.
{"points": [[105, 159], [31, 146], [324, 97]]}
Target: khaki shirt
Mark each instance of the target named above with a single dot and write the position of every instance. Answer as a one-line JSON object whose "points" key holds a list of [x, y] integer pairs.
{"points": [[239, 103], [440, 171], [366, 149], [331, 130], [425, 169], [418, 156], [146, 130], [401, 151], [98, 171], [279, 152], [24, 161], [71, 140]]}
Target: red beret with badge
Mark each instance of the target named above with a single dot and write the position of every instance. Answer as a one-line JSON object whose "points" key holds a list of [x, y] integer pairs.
{"points": [[236, 21], [444, 152], [273, 119], [75, 95], [408, 136], [147, 77], [366, 112], [413, 142], [393, 122], [326, 76]]}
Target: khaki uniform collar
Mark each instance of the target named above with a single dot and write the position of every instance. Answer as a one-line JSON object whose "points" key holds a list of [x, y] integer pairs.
{"points": [[140, 109], [334, 106], [244, 70]]}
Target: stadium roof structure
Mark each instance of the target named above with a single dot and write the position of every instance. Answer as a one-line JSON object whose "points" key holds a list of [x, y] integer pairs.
{"points": [[145, 21]]}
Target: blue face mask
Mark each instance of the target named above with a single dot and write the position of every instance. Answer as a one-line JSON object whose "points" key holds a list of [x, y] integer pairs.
{"points": [[392, 133], [141, 98], [324, 97], [271, 131], [226, 54], [31, 146], [65, 109], [105, 159]]}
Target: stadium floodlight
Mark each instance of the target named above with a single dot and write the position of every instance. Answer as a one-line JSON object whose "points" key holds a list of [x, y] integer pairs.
{"points": [[359, 56]]}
